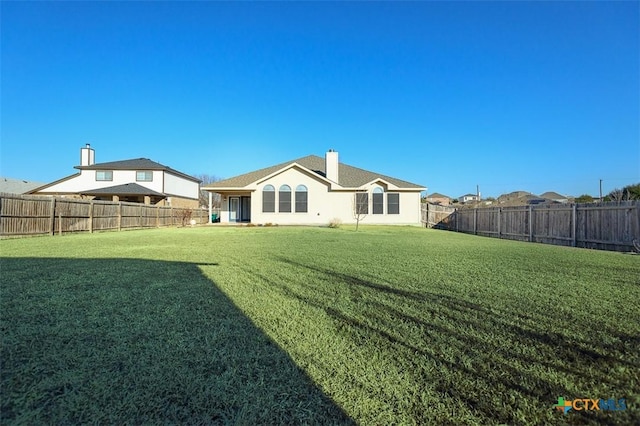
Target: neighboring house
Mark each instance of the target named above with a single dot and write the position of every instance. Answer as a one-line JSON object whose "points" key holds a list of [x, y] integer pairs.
{"points": [[437, 198], [550, 195], [316, 190], [468, 197], [139, 180], [17, 186]]}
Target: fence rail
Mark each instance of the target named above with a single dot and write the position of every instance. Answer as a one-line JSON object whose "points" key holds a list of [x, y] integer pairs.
{"points": [[607, 226], [23, 215]]}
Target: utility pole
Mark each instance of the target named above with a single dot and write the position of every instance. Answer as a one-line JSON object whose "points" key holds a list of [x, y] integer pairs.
{"points": [[478, 193], [600, 190]]}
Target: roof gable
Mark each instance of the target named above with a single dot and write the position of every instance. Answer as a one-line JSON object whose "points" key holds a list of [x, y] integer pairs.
{"points": [[299, 168]]}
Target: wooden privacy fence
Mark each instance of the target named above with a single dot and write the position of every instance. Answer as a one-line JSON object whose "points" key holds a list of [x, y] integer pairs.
{"points": [[22, 215], [606, 226]]}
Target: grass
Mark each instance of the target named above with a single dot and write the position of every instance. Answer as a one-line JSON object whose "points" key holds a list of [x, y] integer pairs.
{"points": [[314, 325]]}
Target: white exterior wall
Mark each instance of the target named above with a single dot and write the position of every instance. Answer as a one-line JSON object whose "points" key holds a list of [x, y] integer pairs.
{"points": [[87, 181], [162, 182], [324, 205], [177, 186], [318, 206], [343, 203]]}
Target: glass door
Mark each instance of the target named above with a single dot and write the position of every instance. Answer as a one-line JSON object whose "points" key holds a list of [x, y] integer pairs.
{"points": [[234, 209]]}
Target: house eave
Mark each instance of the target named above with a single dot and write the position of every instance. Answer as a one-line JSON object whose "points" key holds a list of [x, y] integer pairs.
{"points": [[302, 168]]}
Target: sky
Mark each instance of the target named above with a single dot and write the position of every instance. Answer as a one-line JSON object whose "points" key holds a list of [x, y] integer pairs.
{"points": [[455, 96]]}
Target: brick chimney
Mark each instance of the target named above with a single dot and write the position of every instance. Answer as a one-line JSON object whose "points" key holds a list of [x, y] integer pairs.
{"points": [[87, 156], [331, 165]]}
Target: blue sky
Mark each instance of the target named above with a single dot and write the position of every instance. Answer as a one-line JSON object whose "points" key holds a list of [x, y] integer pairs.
{"points": [[509, 96]]}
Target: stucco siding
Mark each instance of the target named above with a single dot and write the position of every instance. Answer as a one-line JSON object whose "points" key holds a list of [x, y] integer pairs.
{"points": [[318, 199], [175, 185], [87, 181]]}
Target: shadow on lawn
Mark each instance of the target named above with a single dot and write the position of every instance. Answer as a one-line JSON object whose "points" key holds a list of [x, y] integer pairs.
{"points": [[140, 341], [503, 362]]}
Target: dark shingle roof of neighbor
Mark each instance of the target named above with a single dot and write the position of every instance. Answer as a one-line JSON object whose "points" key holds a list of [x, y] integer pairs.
{"points": [[135, 164], [348, 176], [125, 189]]}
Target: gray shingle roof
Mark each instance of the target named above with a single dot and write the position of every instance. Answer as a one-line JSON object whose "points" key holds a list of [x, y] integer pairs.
{"points": [[437, 195], [553, 195], [17, 186], [135, 164], [125, 189], [348, 176]]}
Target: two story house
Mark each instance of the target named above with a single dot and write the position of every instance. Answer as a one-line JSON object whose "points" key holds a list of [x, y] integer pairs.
{"points": [[137, 180]]}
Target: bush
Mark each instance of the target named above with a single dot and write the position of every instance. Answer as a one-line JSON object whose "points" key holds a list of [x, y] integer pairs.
{"points": [[335, 223], [185, 216]]}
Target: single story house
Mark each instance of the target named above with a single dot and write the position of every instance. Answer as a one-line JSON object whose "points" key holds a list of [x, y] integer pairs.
{"points": [[437, 198], [315, 190], [554, 196], [468, 198], [138, 180]]}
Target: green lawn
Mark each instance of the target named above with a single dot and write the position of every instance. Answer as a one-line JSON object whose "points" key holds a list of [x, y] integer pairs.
{"points": [[291, 325]]}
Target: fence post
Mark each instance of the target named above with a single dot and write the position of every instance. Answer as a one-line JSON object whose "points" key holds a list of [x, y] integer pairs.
{"points": [[638, 217], [456, 218], [475, 221], [499, 224], [157, 216], [427, 219], [91, 217], [530, 223], [52, 217], [574, 224], [120, 216]]}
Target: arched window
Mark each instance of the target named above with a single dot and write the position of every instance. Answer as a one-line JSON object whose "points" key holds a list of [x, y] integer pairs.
{"points": [[378, 201], [268, 199], [301, 199], [285, 199]]}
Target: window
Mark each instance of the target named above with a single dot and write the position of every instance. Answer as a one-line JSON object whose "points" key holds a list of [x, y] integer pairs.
{"points": [[378, 201], [393, 203], [301, 199], [146, 176], [268, 199], [362, 203], [104, 175], [285, 199]]}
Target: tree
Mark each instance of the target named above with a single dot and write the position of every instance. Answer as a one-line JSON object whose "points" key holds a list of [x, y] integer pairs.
{"points": [[584, 198], [616, 195], [629, 192], [204, 195], [632, 192], [360, 206]]}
